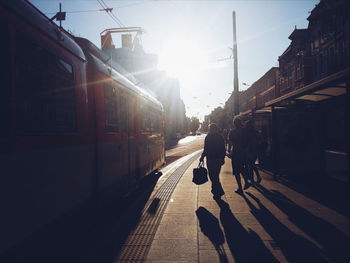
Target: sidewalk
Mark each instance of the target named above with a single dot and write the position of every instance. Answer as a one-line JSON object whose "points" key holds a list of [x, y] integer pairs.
{"points": [[270, 223]]}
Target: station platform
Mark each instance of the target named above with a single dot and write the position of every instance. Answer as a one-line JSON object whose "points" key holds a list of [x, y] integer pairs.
{"points": [[182, 223]]}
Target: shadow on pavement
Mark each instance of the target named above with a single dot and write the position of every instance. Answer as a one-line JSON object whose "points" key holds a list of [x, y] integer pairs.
{"points": [[95, 241], [327, 191], [210, 227], [334, 242], [246, 246], [295, 248], [109, 237]]}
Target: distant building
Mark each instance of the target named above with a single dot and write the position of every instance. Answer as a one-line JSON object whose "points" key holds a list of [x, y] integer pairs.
{"points": [[143, 69], [262, 91]]}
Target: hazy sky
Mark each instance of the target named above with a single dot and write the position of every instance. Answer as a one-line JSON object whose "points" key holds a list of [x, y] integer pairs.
{"points": [[192, 37]]}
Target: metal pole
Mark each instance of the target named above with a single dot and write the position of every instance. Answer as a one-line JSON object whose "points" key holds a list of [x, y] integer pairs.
{"points": [[235, 68], [60, 12]]}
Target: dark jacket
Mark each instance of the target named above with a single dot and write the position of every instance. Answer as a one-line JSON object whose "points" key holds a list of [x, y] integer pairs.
{"points": [[238, 137], [214, 146]]}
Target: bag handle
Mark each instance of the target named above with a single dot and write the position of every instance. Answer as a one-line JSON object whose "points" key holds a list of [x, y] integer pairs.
{"points": [[201, 164]]}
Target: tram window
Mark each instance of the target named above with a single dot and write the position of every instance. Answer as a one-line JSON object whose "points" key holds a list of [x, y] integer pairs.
{"points": [[123, 113], [45, 90], [146, 118], [111, 120], [154, 121], [158, 123], [5, 78]]}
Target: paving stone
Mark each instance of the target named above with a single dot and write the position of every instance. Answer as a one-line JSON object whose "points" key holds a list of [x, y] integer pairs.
{"points": [[205, 243], [179, 219], [277, 253], [215, 256], [178, 249], [246, 219], [259, 230], [173, 231], [180, 209], [259, 217], [208, 203], [173, 261]]}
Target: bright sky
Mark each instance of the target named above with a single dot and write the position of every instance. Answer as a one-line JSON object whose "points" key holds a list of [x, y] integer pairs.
{"points": [[192, 37]]}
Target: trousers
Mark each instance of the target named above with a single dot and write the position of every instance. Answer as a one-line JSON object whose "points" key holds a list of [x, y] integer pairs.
{"points": [[214, 167]]}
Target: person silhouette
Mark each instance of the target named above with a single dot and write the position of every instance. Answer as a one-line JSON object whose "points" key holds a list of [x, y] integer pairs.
{"points": [[214, 151], [237, 147], [252, 151]]}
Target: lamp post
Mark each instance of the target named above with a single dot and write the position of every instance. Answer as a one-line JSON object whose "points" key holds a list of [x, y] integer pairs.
{"points": [[235, 68]]}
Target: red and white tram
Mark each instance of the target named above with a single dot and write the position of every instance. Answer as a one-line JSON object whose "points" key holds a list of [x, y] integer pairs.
{"points": [[73, 130]]}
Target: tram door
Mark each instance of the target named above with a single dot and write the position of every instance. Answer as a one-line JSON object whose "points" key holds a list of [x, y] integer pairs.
{"points": [[112, 143]]}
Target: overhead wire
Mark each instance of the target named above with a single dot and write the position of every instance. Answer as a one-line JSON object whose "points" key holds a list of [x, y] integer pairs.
{"points": [[80, 11], [106, 9], [110, 13]]}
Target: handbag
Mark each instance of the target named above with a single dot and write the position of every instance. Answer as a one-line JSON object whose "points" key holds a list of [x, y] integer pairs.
{"points": [[200, 174]]}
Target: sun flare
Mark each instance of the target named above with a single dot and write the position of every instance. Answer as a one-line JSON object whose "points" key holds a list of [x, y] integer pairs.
{"points": [[182, 58]]}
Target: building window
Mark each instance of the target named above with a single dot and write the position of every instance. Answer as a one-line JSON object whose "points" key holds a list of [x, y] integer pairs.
{"points": [[111, 120], [45, 93]]}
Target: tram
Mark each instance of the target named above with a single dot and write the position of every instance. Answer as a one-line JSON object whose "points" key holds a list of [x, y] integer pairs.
{"points": [[74, 131]]}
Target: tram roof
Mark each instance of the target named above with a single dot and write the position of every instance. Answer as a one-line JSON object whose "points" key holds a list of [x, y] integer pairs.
{"points": [[36, 18], [100, 60]]}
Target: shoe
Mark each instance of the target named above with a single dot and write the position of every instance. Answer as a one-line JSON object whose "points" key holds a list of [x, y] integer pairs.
{"points": [[239, 191], [246, 186]]}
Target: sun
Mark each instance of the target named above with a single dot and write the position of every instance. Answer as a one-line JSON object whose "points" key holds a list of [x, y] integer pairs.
{"points": [[182, 58]]}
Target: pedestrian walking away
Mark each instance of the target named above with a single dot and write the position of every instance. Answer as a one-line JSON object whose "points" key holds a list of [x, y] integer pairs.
{"points": [[214, 151], [252, 151], [238, 145]]}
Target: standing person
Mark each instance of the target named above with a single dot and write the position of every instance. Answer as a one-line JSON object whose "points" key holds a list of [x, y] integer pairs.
{"points": [[214, 151], [238, 143], [252, 151]]}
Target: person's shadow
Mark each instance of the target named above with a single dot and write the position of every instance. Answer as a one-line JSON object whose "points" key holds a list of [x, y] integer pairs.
{"points": [[210, 227], [295, 247], [245, 245], [335, 244]]}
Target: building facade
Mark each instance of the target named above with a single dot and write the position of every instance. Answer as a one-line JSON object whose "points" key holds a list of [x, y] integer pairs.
{"points": [[329, 37], [294, 63], [301, 108]]}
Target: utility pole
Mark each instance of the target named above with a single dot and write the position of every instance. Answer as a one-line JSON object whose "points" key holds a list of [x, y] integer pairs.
{"points": [[60, 12], [235, 68], [60, 16]]}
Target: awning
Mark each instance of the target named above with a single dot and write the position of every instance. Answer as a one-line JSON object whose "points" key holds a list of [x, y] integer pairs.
{"points": [[326, 88]]}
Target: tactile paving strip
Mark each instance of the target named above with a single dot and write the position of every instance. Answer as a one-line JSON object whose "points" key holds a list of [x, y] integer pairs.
{"points": [[136, 247]]}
